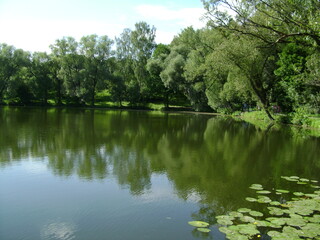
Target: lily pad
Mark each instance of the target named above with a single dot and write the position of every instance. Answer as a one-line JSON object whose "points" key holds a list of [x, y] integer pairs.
{"points": [[296, 222], [250, 199], [244, 210], [275, 203], [248, 229], [235, 214], [299, 194], [263, 192], [301, 183], [247, 219], [294, 177], [274, 233], [282, 191], [199, 224], [256, 214], [256, 187], [204, 230], [304, 180], [290, 179], [224, 220], [263, 199]]}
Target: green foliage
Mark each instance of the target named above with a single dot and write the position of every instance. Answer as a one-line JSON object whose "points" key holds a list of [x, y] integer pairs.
{"points": [[254, 54], [301, 117], [289, 219]]}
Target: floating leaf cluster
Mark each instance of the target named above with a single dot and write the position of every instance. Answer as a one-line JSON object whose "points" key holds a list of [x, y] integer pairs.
{"points": [[298, 218], [200, 225]]}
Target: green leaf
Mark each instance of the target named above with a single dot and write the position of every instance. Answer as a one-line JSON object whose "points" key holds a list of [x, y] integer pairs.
{"points": [[275, 203], [263, 192], [256, 214], [244, 210], [248, 229], [204, 230], [299, 194], [247, 219], [296, 222], [250, 199], [273, 233], [301, 183], [282, 191], [198, 224]]}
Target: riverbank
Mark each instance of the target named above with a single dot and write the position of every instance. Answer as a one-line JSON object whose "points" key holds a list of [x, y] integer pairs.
{"points": [[310, 124]]}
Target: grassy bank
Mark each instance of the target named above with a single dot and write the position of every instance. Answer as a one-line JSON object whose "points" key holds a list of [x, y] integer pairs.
{"points": [[305, 122]]}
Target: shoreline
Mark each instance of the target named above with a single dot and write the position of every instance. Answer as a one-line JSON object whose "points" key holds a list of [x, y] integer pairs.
{"points": [[262, 123]]}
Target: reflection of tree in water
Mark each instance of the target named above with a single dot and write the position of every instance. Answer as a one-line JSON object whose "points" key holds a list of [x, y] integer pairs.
{"points": [[211, 157]]}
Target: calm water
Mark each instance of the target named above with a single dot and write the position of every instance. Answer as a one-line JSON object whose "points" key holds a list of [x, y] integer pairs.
{"points": [[85, 174]]}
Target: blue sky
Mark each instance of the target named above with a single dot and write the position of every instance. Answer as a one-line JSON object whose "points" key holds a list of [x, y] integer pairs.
{"points": [[35, 24]]}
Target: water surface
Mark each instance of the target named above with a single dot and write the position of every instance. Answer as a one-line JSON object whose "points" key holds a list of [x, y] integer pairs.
{"points": [[96, 174]]}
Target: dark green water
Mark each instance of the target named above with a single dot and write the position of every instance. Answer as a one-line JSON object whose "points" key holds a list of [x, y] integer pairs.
{"points": [[94, 174]]}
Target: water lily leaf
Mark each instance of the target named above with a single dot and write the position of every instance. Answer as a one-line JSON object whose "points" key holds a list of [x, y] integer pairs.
{"points": [[198, 224], [275, 203], [311, 195], [247, 219], [295, 199], [250, 199], [294, 177], [296, 222], [256, 187], [256, 214], [235, 214], [237, 236], [301, 183], [290, 179], [204, 230], [282, 191], [225, 222], [299, 194], [313, 181], [263, 192], [278, 221], [313, 219], [244, 210], [314, 186], [273, 233], [304, 180], [262, 223], [263, 199], [225, 230], [248, 229], [291, 232], [310, 230], [275, 211]]}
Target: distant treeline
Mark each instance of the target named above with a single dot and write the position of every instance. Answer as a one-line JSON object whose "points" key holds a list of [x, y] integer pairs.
{"points": [[258, 53]]}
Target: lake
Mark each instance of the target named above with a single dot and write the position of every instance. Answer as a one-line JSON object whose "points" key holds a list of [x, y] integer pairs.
{"points": [[102, 174]]}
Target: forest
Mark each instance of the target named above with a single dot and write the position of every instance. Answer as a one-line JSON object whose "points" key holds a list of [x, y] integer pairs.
{"points": [[254, 54]]}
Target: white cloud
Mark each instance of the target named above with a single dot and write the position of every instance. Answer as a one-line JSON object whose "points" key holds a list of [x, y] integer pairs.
{"points": [[170, 22], [184, 17], [35, 35]]}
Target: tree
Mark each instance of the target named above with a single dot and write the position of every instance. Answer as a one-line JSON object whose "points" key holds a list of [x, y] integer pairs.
{"points": [[155, 66], [12, 60], [96, 51], [71, 67], [41, 82], [143, 45], [271, 21], [181, 68]]}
